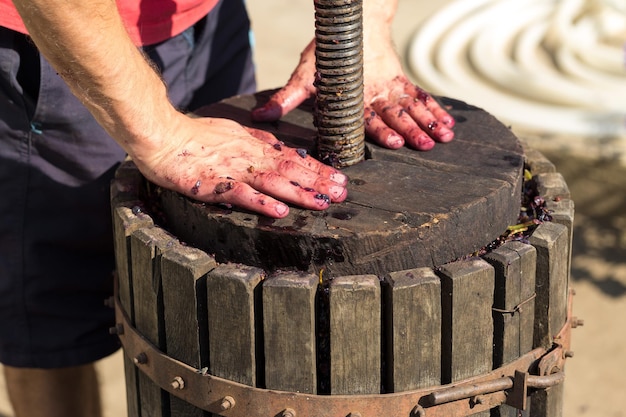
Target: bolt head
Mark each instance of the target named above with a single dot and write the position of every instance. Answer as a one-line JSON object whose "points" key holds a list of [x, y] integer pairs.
{"points": [[288, 413], [140, 359], [118, 329], [418, 411], [178, 383], [228, 402]]}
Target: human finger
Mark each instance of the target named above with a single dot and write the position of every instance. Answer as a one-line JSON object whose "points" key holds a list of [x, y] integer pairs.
{"points": [[426, 119], [377, 130], [277, 185], [301, 157], [430, 104], [397, 118], [298, 88], [229, 191]]}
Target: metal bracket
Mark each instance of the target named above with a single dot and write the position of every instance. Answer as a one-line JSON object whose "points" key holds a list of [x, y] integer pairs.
{"points": [[509, 384]]}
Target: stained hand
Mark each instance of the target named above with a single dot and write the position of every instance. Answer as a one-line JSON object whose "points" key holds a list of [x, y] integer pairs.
{"points": [[396, 111], [220, 161]]}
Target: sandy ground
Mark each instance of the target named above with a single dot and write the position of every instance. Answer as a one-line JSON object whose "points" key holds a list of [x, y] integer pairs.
{"points": [[595, 376]]}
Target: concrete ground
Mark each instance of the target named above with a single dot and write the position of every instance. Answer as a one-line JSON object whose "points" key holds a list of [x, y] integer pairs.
{"points": [[596, 376]]}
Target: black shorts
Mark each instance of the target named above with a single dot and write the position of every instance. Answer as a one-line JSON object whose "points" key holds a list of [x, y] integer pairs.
{"points": [[56, 163]]}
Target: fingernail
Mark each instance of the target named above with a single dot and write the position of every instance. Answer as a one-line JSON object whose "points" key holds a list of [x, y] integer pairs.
{"points": [[322, 199], [425, 143], [446, 136], [336, 191], [269, 112], [339, 178], [395, 141], [281, 209], [449, 121]]}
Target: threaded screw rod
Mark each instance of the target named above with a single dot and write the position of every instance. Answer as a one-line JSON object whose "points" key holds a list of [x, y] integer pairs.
{"points": [[338, 112]]}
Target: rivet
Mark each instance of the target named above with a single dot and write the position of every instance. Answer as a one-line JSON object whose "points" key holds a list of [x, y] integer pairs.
{"points": [[140, 359], [117, 329], [569, 354], [228, 402], [354, 415], [576, 322], [109, 302], [288, 412], [178, 383], [418, 411]]}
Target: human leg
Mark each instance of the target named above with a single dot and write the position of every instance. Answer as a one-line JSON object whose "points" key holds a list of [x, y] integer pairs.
{"points": [[65, 392]]}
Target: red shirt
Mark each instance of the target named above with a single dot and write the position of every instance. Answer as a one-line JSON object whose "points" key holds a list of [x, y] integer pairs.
{"points": [[146, 25]]}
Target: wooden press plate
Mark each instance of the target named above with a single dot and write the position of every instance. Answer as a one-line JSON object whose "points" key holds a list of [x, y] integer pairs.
{"points": [[405, 208]]}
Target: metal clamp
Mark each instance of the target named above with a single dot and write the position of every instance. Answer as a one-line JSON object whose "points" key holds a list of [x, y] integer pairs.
{"points": [[509, 384]]}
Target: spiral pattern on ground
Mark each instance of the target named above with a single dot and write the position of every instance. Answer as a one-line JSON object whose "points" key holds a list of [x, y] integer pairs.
{"points": [[555, 66]]}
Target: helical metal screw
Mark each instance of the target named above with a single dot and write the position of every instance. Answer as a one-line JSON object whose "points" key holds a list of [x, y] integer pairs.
{"points": [[339, 106]]}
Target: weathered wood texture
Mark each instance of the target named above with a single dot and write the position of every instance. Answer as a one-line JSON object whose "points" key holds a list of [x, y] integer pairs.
{"points": [[355, 335], [552, 243], [467, 331], [412, 330], [289, 332], [233, 300], [183, 275], [390, 324], [467, 335], [127, 218], [405, 209], [147, 246], [513, 306]]}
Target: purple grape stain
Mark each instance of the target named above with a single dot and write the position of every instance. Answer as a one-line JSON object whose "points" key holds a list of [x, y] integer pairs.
{"points": [[223, 187], [196, 187]]}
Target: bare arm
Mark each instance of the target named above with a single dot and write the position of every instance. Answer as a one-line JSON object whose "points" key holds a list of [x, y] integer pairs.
{"points": [[88, 46], [207, 159]]}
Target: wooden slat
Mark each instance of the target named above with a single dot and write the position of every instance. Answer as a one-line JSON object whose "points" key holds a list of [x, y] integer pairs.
{"points": [[183, 275], [355, 335], [554, 190], [537, 162], [289, 332], [552, 185], [233, 300], [126, 219], [551, 241], [467, 332], [413, 329], [147, 246], [514, 264]]}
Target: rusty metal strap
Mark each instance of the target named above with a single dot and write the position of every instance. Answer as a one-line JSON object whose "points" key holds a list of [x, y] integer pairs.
{"points": [[506, 385]]}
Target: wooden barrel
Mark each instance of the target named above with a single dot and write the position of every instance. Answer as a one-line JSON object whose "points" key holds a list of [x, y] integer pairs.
{"points": [[408, 285]]}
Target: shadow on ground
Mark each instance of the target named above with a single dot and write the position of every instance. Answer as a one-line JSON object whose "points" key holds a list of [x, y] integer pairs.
{"points": [[598, 188]]}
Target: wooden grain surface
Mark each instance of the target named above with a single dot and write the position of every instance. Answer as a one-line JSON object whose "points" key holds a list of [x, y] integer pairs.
{"points": [[289, 332], [355, 335], [413, 329], [183, 275], [405, 209]]}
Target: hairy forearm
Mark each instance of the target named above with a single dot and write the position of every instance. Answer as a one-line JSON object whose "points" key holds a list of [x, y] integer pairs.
{"points": [[86, 43]]}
